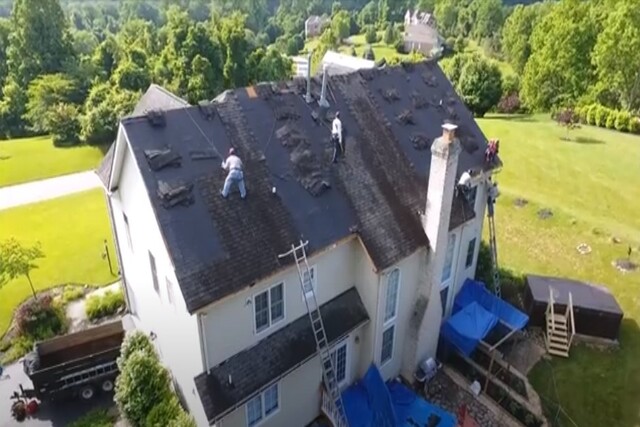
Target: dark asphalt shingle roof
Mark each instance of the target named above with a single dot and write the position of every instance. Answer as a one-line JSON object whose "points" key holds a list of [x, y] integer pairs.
{"points": [[219, 247], [255, 368], [156, 97]]}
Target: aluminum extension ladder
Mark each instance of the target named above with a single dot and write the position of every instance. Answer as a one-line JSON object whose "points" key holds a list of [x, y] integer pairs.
{"points": [[491, 199], [322, 344]]}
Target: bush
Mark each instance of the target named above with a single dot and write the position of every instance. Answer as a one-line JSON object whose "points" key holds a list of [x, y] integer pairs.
{"points": [[399, 46], [622, 121], [164, 411], [18, 348], [591, 114], [140, 386], [108, 304], [611, 119], [509, 104], [370, 35], [602, 114], [634, 125], [72, 293], [135, 341], [182, 420], [368, 54], [64, 124], [41, 318], [581, 112], [95, 418]]}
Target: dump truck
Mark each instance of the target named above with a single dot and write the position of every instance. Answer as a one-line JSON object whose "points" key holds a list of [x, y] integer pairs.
{"points": [[76, 365]]}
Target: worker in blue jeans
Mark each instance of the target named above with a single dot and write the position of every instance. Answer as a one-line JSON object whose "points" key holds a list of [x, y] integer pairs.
{"points": [[234, 165]]}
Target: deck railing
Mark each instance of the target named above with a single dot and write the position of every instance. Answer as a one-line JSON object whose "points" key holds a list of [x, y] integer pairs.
{"points": [[570, 318]]}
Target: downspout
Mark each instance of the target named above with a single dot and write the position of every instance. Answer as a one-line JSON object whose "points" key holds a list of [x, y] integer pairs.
{"points": [[376, 323], [205, 347]]}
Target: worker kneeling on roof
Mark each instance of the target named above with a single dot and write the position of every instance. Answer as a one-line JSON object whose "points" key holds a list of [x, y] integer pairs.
{"points": [[233, 164]]}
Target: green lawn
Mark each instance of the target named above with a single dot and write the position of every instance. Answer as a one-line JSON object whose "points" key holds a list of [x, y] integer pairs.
{"points": [[505, 67], [23, 160], [71, 230], [592, 186]]}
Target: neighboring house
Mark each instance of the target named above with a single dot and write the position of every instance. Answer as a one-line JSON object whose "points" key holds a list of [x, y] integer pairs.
{"points": [[339, 63], [420, 33], [301, 65], [314, 25], [203, 274]]}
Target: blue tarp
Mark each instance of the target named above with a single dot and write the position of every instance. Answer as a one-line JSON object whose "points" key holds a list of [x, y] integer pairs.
{"points": [[473, 291], [372, 403], [468, 326]]}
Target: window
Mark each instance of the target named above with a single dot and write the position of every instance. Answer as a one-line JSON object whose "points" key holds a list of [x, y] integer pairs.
{"points": [[391, 303], [448, 261], [268, 307], [169, 291], [471, 194], [154, 273], [470, 252], [263, 405], [311, 283], [444, 295], [127, 231], [387, 344], [339, 359]]}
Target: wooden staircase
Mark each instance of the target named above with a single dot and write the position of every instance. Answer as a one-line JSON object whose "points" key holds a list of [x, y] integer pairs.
{"points": [[560, 328]]}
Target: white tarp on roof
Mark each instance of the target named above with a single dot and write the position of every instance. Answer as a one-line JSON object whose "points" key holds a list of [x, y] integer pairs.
{"points": [[339, 63]]}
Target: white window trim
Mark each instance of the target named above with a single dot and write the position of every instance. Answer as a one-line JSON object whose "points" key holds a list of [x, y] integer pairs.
{"points": [[314, 282], [334, 349], [393, 344], [284, 308], [265, 417], [384, 309]]}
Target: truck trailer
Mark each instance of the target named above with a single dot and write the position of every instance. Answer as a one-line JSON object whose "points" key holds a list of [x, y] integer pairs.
{"points": [[75, 365]]}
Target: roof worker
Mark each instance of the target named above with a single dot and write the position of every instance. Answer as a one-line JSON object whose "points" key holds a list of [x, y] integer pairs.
{"points": [[336, 137], [233, 164]]}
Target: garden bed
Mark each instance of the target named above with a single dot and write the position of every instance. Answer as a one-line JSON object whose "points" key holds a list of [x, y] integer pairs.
{"points": [[496, 392], [513, 381]]}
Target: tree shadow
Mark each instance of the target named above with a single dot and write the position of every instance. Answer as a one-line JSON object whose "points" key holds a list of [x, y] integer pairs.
{"points": [[585, 140], [511, 117]]}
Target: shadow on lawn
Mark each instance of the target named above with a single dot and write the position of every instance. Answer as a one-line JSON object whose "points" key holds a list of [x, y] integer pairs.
{"points": [[584, 140], [511, 117]]}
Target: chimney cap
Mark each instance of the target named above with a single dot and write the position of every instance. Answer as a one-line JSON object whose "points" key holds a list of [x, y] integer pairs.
{"points": [[449, 127]]}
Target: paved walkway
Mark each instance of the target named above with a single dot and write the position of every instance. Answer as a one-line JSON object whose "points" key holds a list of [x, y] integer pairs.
{"points": [[37, 191]]}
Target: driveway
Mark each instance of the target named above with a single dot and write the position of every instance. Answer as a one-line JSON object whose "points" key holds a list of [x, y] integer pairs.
{"points": [[37, 191], [47, 416]]}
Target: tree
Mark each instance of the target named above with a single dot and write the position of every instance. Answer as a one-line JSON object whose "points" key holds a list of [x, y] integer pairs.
{"points": [[269, 65], [234, 44], [84, 42], [340, 24], [516, 33], [368, 14], [489, 17], [390, 35], [103, 110], [480, 85], [135, 341], [370, 35], [369, 54], [383, 13], [5, 30], [105, 56], [559, 69], [44, 93], [617, 53], [39, 41], [12, 108], [568, 118], [203, 83], [18, 260], [64, 124], [446, 14]]}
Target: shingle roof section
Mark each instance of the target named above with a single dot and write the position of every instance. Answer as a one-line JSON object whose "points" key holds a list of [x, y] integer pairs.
{"points": [[155, 98], [221, 246], [254, 368]]}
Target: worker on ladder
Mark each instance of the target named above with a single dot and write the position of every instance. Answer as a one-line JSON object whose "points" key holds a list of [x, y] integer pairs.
{"points": [[492, 195]]}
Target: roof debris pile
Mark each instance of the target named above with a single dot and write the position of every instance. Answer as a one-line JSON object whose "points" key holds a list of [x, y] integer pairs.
{"points": [[176, 194], [156, 118], [160, 159], [420, 141], [406, 118]]}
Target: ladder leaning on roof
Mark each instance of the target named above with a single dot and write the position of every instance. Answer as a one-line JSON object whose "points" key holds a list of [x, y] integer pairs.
{"points": [[336, 407], [491, 200]]}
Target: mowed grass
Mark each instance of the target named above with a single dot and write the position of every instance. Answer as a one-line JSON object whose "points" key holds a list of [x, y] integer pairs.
{"points": [[30, 159], [592, 185], [71, 230]]}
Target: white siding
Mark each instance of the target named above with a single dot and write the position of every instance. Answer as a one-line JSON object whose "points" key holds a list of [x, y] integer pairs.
{"points": [[299, 392], [335, 274], [177, 333]]}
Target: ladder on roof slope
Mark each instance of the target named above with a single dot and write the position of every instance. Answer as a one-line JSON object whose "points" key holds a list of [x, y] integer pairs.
{"points": [[491, 200], [338, 414]]}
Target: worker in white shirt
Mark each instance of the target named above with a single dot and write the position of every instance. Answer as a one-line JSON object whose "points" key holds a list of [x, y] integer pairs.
{"points": [[233, 164], [336, 137]]}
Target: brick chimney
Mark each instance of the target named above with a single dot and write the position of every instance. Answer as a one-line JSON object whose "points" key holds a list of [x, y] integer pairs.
{"points": [[424, 326]]}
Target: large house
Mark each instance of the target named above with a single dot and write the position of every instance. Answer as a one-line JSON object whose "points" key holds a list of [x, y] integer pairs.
{"points": [[314, 25], [421, 33], [391, 236]]}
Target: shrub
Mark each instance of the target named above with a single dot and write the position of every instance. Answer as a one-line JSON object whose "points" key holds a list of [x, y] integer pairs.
{"points": [[581, 112], [510, 84], [622, 121], [400, 46], [135, 341], [140, 386], [95, 418], [591, 114], [368, 54], [509, 104], [64, 124], [611, 119], [602, 114], [370, 35], [41, 318], [182, 420], [164, 411], [19, 347], [634, 125], [108, 304], [72, 293]]}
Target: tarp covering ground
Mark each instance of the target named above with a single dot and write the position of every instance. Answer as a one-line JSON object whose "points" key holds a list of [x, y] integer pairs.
{"points": [[476, 313], [372, 403]]}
